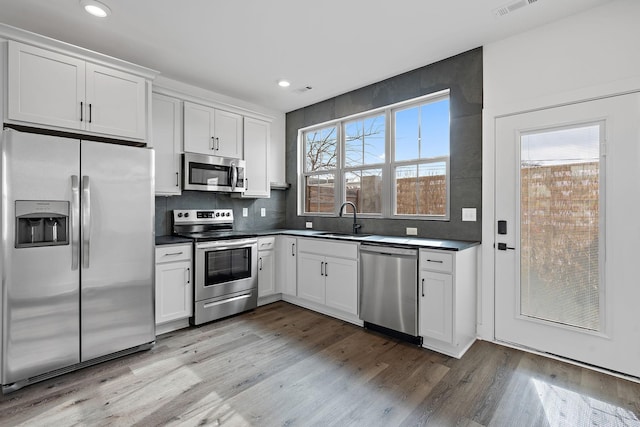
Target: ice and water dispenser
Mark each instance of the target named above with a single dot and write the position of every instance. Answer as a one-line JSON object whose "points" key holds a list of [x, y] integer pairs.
{"points": [[41, 223]]}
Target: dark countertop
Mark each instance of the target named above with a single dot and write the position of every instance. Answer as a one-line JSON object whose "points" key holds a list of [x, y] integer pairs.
{"points": [[405, 241], [171, 240]]}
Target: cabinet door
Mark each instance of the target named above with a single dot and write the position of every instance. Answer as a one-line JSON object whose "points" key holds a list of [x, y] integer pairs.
{"points": [[257, 136], [227, 131], [266, 273], [436, 306], [116, 102], [174, 298], [167, 138], [289, 266], [198, 128], [341, 277], [45, 87], [311, 283]]}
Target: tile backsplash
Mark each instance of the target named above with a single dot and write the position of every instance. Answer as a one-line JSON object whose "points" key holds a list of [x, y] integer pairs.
{"points": [[274, 207]]}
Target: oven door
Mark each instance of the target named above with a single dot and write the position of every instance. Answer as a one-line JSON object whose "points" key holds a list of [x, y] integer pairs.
{"points": [[225, 268]]}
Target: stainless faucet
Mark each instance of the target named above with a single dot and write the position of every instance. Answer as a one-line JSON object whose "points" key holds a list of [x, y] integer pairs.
{"points": [[355, 225]]}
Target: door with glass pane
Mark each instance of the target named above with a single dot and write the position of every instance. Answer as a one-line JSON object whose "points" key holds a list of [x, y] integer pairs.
{"points": [[564, 184]]}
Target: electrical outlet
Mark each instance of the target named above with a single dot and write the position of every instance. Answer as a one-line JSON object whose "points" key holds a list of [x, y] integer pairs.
{"points": [[412, 231], [245, 212], [263, 211], [308, 224], [469, 214]]}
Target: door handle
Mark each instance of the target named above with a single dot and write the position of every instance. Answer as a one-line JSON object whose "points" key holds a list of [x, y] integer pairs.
{"points": [[504, 247], [75, 227], [86, 220]]}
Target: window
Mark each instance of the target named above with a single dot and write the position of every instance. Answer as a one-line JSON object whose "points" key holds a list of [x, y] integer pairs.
{"points": [[421, 159], [391, 162]]}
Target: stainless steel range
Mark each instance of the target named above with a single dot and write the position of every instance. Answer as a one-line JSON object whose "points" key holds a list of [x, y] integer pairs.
{"points": [[225, 263]]}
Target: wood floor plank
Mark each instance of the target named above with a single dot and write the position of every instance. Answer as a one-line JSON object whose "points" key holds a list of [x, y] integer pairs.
{"points": [[282, 365]]}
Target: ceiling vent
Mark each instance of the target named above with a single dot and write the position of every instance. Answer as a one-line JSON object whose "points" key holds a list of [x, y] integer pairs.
{"points": [[512, 7], [303, 89]]}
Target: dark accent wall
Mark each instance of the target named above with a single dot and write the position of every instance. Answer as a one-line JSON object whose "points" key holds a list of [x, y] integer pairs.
{"points": [[275, 206], [462, 74]]}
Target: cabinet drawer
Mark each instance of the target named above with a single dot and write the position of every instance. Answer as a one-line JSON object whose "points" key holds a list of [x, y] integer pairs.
{"points": [[328, 248], [266, 243], [171, 253], [436, 261]]}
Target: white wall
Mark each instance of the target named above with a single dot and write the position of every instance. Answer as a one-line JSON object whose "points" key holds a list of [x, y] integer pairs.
{"points": [[277, 118], [588, 55]]}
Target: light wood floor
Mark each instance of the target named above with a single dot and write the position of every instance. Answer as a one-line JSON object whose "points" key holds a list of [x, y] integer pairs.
{"points": [[282, 365]]}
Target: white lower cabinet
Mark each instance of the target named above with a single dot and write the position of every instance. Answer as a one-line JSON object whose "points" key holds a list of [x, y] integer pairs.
{"points": [[174, 288], [266, 268], [286, 255], [328, 277], [447, 300]]}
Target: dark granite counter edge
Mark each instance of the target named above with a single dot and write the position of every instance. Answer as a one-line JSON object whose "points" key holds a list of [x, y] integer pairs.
{"points": [[414, 242]]}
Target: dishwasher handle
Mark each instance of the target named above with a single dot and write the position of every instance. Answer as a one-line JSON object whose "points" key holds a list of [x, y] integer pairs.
{"points": [[388, 250]]}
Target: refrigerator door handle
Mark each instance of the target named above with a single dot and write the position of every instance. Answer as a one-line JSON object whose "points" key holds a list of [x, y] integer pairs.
{"points": [[75, 227], [86, 220]]}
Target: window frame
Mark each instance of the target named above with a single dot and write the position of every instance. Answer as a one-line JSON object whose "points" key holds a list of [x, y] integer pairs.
{"points": [[388, 167]]}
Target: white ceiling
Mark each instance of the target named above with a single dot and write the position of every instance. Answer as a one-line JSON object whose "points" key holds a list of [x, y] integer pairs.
{"points": [[240, 48]]}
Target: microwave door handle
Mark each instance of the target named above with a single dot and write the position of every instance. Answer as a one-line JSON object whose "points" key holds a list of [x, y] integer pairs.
{"points": [[234, 177]]}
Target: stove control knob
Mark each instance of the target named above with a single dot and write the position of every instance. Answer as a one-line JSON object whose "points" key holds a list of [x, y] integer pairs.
{"points": [[179, 214], [186, 214], [228, 213], [217, 213]]}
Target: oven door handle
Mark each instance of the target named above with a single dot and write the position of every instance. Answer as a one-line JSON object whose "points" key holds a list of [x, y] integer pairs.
{"points": [[222, 246], [225, 301]]}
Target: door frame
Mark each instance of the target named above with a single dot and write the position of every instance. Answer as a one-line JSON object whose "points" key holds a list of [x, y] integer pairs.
{"points": [[486, 268]]}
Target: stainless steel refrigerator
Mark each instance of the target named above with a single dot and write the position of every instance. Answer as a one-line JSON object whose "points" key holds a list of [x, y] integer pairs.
{"points": [[77, 257]]}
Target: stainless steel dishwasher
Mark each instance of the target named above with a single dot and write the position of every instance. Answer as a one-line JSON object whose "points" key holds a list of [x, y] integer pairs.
{"points": [[389, 290]]}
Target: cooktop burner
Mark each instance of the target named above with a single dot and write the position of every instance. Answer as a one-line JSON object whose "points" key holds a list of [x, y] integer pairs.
{"points": [[206, 225]]}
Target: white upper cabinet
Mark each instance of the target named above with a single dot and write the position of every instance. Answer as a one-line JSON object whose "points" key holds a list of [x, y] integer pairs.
{"points": [[167, 142], [116, 102], [257, 137], [56, 90], [211, 131]]}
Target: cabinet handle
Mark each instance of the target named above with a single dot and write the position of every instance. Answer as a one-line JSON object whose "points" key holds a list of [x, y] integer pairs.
{"points": [[188, 275], [81, 110], [423, 287], [177, 180], [213, 147], [322, 268], [326, 264], [293, 248], [89, 113], [260, 259], [435, 260], [217, 144], [173, 253]]}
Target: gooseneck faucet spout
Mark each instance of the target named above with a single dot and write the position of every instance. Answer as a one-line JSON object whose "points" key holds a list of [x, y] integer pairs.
{"points": [[356, 226]]}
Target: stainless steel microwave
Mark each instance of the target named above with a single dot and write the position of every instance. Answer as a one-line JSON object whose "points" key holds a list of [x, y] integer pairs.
{"points": [[203, 172]]}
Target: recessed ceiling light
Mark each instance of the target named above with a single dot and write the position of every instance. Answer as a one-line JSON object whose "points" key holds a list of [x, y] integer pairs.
{"points": [[95, 8], [283, 83]]}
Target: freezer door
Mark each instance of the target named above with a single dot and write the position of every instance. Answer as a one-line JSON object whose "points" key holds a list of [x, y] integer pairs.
{"points": [[40, 287], [117, 259]]}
